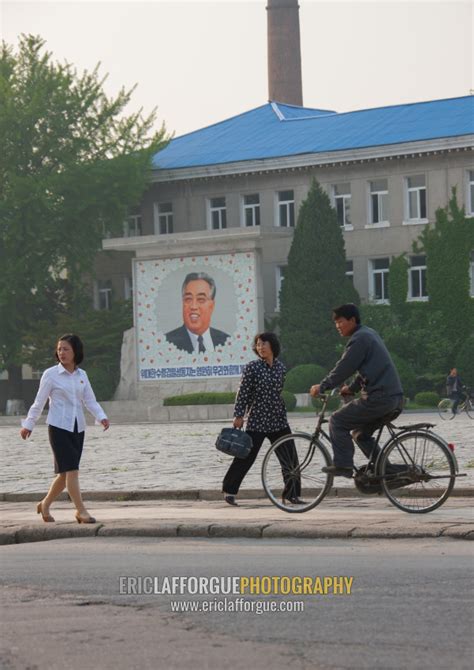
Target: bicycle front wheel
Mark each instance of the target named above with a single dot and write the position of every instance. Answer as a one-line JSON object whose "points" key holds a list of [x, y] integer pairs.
{"points": [[445, 409], [418, 472], [291, 473], [469, 407]]}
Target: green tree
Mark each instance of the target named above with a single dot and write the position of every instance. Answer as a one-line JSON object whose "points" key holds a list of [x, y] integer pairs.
{"points": [[447, 245], [315, 282], [102, 334], [431, 336], [72, 163]]}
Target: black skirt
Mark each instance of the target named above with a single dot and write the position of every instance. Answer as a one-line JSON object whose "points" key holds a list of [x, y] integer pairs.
{"points": [[67, 448]]}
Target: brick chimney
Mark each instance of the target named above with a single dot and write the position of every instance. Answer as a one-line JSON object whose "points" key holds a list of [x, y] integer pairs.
{"points": [[284, 53]]}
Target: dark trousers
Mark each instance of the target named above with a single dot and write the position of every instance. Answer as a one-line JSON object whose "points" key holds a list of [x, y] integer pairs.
{"points": [[362, 415], [457, 397], [286, 455]]}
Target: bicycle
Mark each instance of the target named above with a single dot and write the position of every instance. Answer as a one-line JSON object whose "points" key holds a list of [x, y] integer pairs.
{"points": [[445, 406], [415, 469]]}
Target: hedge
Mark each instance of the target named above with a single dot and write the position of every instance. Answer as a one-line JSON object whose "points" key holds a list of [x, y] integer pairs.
{"points": [[300, 378], [208, 398], [289, 399], [427, 399]]}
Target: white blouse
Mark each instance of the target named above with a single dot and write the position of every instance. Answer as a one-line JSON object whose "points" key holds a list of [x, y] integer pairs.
{"points": [[67, 393]]}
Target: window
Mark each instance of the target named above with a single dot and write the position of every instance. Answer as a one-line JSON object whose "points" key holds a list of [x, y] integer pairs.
{"points": [[103, 294], [132, 226], [251, 210], [379, 269], [417, 278], [163, 218], [470, 193], [217, 214], [378, 202], [415, 199], [280, 276], [127, 288], [350, 270], [342, 204], [286, 209]]}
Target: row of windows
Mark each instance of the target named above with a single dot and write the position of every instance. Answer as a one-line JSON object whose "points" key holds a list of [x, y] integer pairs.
{"points": [[377, 200], [415, 207], [378, 282], [378, 269]]}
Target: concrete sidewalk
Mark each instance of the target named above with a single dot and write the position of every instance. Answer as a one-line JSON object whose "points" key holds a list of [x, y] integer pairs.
{"points": [[209, 516]]}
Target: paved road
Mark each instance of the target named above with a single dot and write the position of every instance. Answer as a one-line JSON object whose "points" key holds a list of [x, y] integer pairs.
{"points": [[170, 456], [410, 606]]}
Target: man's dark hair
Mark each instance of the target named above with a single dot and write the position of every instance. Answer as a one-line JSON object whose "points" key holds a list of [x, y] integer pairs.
{"points": [[347, 311], [194, 276], [77, 347], [267, 337]]}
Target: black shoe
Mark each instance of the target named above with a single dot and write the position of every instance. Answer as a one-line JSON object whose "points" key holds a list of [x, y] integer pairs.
{"points": [[336, 471], [230, 500], [294, 500]]}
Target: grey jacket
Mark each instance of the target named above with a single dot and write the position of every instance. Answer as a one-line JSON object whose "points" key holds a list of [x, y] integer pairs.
{"points": [[366, 355]]}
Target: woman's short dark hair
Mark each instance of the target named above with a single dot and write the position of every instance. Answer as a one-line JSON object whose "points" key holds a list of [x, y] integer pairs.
{"points": [[77, 347], [347, 311], [267, 337]]}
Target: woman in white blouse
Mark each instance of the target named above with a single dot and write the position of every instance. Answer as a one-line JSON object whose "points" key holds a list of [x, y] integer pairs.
{"points": [[68, 388]]}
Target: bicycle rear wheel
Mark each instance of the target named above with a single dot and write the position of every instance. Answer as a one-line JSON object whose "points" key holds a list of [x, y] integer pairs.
{"points": [[418, 472], [445, 409], [291, 473]]}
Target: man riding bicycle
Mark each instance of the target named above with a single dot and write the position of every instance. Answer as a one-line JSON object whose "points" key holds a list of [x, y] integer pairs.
{"points": [[377, 380], [454, 389]]}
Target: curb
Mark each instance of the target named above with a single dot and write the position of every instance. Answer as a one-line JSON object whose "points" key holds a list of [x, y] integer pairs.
{"points": [[278, 530], [196, 494]]}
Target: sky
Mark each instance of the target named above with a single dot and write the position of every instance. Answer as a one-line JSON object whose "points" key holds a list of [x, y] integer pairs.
{"points": [[202, 62]]}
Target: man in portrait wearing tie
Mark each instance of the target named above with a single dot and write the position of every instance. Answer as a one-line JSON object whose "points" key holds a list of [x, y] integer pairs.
{"points": [[198, 301]]}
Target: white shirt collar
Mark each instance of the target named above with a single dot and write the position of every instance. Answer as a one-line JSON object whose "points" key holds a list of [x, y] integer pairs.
{"points": [[62, 369]]}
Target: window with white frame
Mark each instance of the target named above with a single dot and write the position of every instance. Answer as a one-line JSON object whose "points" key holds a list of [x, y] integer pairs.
{"points": [[280, 276], [217, 213], [286, 209], [378, 202], [127, 288], [470, 193], [379, 271], [132, 226], [341, 194], [103, 294], [163, 219], [415, 198], [350, 270], [251, 210], [417, 278], [471, 274]]}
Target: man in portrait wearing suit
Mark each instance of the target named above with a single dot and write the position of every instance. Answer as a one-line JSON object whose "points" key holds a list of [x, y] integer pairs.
{"points": [[195, 335]]}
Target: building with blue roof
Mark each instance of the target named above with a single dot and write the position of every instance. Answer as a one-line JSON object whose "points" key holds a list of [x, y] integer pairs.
{"points": [[386, 171]]}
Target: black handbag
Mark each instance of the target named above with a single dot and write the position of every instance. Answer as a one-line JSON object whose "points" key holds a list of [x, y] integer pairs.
{"points": [[234, 442]]}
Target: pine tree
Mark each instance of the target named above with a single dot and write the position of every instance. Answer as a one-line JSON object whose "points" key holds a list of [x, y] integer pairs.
{"points": [[315, 282]]}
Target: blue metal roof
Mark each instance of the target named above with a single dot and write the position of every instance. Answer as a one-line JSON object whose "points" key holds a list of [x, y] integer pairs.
{"points": [[276, 130]]}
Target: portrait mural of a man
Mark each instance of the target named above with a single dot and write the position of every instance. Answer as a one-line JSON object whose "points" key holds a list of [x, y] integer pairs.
{"points": [[198, 302], [195, 316]]}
